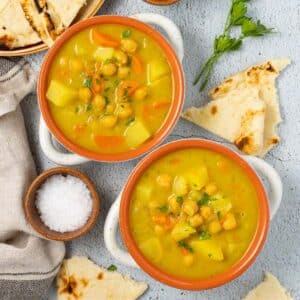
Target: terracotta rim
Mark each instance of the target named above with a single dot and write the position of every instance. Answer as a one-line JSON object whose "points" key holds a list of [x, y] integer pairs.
{"points": [[31, 49], [238, 268], [34, 218], [173, 114], [161, 2]]}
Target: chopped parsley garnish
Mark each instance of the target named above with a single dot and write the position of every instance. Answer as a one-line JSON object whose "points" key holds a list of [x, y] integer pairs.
{"points": [[204, 235], [117, 82], [163, 209], [184, 245], [112, 268], [179, 199], [126, 33], [204, 199], [125, 92], [130, 121], [106, 89], [87, 82], [88, 107], [97, 81], [209, 255], [219, 215], [106, 100], [76, 109]]}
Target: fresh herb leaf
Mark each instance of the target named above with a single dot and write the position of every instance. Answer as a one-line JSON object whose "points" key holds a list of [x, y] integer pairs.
{"points": [[163, 209], [106, 100], [204, 235], [204, 200], [225, 43], [97, 81], [117, 82], [88, 107], [219, 215], [179, 199], [125, 92], [106, 89], [87, 82], [76, 109], [126, 33], [130, 121], [184, 245], [112, 268], [209, 255]]}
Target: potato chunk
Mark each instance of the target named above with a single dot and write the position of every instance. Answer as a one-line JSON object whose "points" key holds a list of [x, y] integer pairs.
{"points": [[60, 94], [209, 249], [180, 186], [182, 231], [136, 134]]}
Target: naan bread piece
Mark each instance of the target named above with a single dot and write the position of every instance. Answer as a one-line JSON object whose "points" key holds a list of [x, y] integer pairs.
{"points": [[15, 30], [263, 77], [238, 117], [270, 288], [64, 11], [81, 279], [39, 21]]}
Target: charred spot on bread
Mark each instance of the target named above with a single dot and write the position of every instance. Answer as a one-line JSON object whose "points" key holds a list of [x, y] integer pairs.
{"points": [[214, 110], [100, 276], [241, 143]]}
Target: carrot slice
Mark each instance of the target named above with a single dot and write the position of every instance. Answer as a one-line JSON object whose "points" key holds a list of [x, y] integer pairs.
{"points": [[137, 64], [97, 84], [161, 104], [159, 219], [127, 88], [105, 40], [109, 141]]}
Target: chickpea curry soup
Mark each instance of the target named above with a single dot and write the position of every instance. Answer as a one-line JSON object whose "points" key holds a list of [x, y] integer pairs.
{"points": [[110, 88], [193, 213]]}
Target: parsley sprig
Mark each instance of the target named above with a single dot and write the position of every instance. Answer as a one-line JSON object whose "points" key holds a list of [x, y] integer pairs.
{"points": [[224, 43]]}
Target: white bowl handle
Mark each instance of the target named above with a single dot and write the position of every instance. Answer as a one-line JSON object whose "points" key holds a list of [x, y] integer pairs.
{"points": [[110, 236], [52, 152], [275, 192], [171, 29]]}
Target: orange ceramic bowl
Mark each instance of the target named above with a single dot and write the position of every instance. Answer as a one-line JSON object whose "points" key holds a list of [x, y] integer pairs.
{"points": [[239, 267], [171, 118]]}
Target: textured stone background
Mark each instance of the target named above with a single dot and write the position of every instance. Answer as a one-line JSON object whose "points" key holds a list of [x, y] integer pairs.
{"points": [[200, 21]]}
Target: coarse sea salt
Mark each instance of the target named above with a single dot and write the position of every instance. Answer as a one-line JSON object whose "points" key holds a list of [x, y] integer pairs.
{"points": [[64, 203]]}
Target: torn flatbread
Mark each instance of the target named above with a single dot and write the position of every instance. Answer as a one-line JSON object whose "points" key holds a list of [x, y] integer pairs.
{"points": [[80, 279], [39, 21], [16, 33], [237, 117], [263, 78], [270, 288]]}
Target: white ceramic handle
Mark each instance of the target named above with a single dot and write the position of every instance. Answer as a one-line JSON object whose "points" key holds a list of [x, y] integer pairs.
{"points": [[52, 152], [275, 192], [171, 29], [110, 236]]}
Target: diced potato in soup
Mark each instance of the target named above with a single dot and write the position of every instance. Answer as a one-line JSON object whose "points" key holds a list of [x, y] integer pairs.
{"points": [[110, 88], [191, 220]]}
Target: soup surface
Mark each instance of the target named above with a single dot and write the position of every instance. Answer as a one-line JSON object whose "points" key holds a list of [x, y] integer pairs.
{"points": [[194, 213], [110, 88]]}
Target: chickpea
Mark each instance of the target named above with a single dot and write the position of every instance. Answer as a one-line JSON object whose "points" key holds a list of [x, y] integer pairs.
{"points": [[109, 121], [205, 212], [110, 108], [180, 186], [188, 260], [129, 45], [123, 72], [153, 205], [164, 180], [229, 222], [99, 102], [85, 94], [121, 57], [174, 205], [159, 230], [124, 111], [76, 65], [196, 220], [211, 189], [109, 69], [140, 94], [214, 227], [190, 207], [194, 195]]}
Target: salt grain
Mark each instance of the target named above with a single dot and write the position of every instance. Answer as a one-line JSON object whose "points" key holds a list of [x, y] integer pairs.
{"points": [[64, 203]]}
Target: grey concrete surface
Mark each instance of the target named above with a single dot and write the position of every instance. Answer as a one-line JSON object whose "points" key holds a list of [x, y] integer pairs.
{"points": [[200, 21]]}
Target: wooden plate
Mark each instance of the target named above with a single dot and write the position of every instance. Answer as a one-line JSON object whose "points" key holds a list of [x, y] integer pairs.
{"points": [[86, 11]]}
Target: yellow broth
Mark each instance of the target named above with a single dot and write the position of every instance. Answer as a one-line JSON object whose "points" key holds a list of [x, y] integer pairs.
{"points": [[110, 88], [194, 213]]}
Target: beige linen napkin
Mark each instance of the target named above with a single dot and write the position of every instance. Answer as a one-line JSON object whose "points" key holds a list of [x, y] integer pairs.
{"points": [[28, 263]]}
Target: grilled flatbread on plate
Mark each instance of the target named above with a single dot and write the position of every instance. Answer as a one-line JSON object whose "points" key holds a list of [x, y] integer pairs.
{"points": [[263, 78], [40, 22], [270, 288], [15, 31], [237, 117], [81, 279], [242, 93]]}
